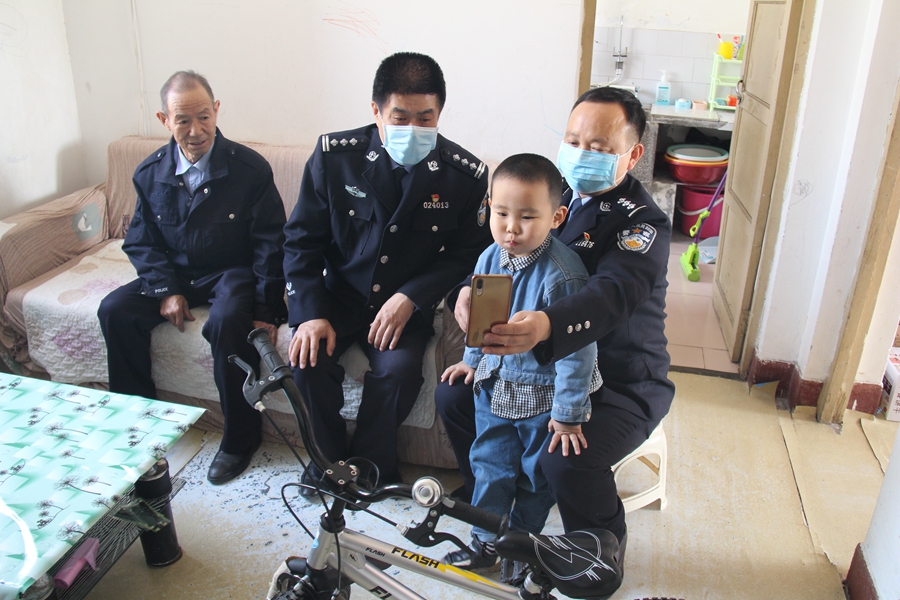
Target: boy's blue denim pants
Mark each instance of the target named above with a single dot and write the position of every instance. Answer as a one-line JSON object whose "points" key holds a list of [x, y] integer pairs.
{"points": [[504, 458]]}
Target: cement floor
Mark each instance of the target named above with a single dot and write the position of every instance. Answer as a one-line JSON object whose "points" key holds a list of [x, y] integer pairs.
{"points": [[761, 504]]}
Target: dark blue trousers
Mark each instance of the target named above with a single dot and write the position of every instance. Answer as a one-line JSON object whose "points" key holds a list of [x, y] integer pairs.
{"points": [[127, 317], [390, 389], [582, 485]]}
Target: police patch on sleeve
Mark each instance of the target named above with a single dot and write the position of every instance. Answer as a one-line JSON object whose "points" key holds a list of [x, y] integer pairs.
{"points": [[482, 210], [637, 238]]}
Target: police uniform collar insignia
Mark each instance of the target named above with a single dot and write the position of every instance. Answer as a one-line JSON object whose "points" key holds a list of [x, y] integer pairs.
{"points": [[629, 207], [355, 191], [330, 144], [432, 165], [637, 238], [372, 156], [469, 165], [605, 206]]}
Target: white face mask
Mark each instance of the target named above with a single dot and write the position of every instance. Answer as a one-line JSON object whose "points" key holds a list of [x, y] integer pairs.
{"points": [[408, 144]]}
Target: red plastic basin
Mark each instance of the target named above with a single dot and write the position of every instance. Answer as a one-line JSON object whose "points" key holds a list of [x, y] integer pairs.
{"points": [[695, 174]]}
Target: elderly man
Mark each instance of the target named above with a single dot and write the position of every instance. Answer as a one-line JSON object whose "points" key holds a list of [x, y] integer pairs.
{"points": [[390, 217], [207, 229], [622, 238]]}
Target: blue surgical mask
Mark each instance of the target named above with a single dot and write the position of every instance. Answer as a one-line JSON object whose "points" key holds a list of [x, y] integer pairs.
{"points": [[408, 144], [588, 172]]}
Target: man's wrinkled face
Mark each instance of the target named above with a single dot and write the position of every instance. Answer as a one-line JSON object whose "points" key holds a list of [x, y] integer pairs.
{"points": [[191, 117]]}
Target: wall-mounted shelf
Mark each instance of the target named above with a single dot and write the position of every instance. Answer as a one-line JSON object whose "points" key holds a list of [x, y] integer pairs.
{"points": [[719, 79]]}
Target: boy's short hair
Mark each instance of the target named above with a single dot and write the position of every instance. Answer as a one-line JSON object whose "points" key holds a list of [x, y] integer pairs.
{"points": [[532, 168]]}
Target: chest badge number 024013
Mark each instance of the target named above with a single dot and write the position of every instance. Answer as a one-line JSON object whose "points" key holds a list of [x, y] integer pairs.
{"points": [[637, 238]]}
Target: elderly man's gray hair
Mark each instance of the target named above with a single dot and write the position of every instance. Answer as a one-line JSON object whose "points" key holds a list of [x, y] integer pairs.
{"points": [[181, 81]]}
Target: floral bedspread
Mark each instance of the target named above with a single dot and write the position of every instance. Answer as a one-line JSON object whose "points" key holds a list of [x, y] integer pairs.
{"points": [[64, 338]]}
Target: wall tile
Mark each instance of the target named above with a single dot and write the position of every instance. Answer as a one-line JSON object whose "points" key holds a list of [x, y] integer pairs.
{"points": [[695, 91], [603, 64], [601, 36], [670, 43], [702, 70], [627, 35], [674, 91], [634, 66], [680, 69], [699, 45], [644, 41], [653, 64]]}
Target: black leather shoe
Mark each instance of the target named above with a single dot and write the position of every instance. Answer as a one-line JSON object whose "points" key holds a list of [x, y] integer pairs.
{"points": [[308, 489], [225, 466]]}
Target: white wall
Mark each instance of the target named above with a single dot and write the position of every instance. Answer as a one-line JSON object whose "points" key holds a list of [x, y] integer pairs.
{"points": [[286, 72], [850, 84], [683, 15], [105, 74], [882, 545], [40, 148]]}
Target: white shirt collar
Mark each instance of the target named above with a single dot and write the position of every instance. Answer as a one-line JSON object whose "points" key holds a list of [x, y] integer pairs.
{"points": [[183, 164]]}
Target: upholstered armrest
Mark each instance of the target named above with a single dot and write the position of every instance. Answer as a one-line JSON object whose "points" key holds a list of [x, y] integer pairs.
{"points": [[38, 240]]}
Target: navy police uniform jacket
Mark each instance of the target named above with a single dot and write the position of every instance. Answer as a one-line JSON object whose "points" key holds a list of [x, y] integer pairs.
{"points": [[235, 219], [350, 245], [623, 239]]}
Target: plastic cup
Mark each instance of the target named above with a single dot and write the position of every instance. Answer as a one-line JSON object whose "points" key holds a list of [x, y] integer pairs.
{"points": [[726, 50]]}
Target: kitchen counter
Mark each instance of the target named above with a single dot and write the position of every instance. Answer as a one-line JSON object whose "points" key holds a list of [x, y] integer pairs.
{"points": [[723, 120]]}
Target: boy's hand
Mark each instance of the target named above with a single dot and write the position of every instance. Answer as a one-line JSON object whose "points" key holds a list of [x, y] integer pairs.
{"points": [[565, 434], [460, 369]]}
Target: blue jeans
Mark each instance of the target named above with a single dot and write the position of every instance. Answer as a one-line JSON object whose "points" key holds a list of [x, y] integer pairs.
{"points": [[504, 458]]}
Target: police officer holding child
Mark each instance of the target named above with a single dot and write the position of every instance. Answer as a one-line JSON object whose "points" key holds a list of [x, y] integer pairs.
{"points": [[622, 238]]}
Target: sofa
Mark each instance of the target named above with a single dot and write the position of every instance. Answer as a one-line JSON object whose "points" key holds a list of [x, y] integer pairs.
{"points": [[59, 260]]}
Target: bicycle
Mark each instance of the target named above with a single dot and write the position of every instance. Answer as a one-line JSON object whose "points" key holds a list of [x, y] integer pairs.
{"points": [[581, 564]]}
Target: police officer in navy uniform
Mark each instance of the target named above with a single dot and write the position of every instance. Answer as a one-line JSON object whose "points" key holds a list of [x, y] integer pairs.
{"points": [[390, 217], [207, 229], [623, 239]]}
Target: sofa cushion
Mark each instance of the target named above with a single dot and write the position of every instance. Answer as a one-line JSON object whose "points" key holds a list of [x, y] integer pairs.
{"points": [[59, 313]]}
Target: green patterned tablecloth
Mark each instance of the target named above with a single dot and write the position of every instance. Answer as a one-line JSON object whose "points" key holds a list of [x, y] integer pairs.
{"points": [[66, 454]]}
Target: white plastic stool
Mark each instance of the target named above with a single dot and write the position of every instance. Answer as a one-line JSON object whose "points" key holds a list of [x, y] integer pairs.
{"points": [[655, 444]]}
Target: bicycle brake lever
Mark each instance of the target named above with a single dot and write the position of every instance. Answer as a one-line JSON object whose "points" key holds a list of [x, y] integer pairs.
{"points": [[424, 533], [252, 394]]}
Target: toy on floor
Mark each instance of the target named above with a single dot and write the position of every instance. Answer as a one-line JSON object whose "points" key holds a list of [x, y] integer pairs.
{"points": [[691, 257]]}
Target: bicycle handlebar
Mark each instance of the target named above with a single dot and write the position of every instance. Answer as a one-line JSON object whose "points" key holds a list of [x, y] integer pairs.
{"points": [[281, 374]]}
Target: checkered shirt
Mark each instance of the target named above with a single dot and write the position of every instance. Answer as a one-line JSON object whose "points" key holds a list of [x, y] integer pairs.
{"points": [[511, 400]]}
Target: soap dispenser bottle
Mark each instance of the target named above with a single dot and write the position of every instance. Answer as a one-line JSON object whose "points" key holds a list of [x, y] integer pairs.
{"points": [[662, 91]]}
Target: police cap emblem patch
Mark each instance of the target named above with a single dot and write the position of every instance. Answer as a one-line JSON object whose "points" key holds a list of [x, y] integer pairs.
{"points": [[637, 238]]}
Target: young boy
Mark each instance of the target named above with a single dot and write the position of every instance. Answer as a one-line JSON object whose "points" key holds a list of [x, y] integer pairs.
{"points": [[517, 400]]}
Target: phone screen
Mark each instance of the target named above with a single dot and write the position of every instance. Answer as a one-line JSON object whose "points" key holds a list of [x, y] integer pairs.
{"points": [[489, 304]]}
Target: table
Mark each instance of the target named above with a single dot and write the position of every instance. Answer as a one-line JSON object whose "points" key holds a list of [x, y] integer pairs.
{"points": [[67, 456]]}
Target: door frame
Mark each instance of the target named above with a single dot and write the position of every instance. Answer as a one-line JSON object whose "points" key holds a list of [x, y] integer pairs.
{"points": [[871, 274], [803, 14]]}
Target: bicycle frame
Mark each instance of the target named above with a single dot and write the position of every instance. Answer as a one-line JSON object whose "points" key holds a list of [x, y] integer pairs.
{"points": [[356, 547]]}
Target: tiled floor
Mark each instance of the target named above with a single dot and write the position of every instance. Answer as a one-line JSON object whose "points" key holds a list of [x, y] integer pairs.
{"points": [[695, 338]]}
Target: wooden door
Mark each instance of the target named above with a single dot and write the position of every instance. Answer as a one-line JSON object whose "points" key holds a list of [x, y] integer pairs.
{"points": [[768, 60]]}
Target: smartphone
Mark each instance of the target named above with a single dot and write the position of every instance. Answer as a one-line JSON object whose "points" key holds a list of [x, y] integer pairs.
{"points": [[489, 305]]}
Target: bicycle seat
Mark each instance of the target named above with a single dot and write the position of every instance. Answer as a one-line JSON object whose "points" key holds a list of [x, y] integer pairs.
{"points": [[581, 564]]}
